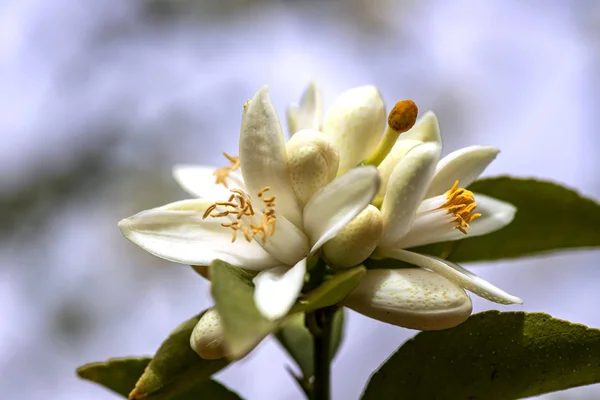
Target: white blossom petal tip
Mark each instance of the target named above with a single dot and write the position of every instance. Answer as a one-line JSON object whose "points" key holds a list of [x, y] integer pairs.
{"points": [[463, 165], [426, 129], [455, 273], [307, 114], [277, 289]]}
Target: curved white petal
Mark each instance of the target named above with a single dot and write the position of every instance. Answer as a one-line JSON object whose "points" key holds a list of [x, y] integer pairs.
{"points": [[308, 114], [355, 123], [400, 149], [263, 156], [426, 129], [405, 191], [177, 232], [495, 214], [455, 273], [277, 289], [288, 243], [199, 181], [412, 298], [463, 165], [334, 206]]}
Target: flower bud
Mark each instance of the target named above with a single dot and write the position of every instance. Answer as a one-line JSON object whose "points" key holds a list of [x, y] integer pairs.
{"points": [[312, 161], [353, 244], [412, 298], [207, 336], [355, 123]]}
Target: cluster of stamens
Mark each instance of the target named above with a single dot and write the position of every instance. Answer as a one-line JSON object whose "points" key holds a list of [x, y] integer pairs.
{"points": [[461, 203], [240, 205], [222, 173]]}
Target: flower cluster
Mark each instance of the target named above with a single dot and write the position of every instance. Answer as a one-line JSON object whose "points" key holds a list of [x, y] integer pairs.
{"points": [[343, 189]]}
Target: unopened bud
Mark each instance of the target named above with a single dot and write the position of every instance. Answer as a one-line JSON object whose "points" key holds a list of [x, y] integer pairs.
{"points": [[207, 336], [412, 298], [353, 244], [312, 162]]}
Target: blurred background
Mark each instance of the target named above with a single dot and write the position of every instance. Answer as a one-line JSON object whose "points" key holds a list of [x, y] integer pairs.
{"points": [[100, 98]]}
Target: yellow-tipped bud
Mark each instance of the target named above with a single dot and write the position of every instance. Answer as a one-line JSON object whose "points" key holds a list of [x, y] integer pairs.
{"points": [[312, 161], [402, 117], [207, 336], [353, 244]]}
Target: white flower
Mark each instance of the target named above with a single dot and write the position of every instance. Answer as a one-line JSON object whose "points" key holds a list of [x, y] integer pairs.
{"points": [[273, 229], [422, 203]]}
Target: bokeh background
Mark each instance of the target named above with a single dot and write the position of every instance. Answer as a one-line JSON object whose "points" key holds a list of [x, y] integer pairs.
{"points": [[99, 98]]}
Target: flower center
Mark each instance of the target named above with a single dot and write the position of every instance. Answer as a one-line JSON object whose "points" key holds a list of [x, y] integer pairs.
{"points": [[222, 173], [240, 205], [461, 203]]}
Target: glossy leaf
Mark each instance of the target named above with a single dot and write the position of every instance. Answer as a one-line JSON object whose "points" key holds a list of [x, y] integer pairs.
{"points": [[549, 217], [175, 367], [330, 292], [116, 374], [121, 374], [491, 356], [244, 327], [295, 337]]}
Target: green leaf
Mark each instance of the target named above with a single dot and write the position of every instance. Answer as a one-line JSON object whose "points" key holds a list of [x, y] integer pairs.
{"points": [[243, 325], [330, 292], [116, 374], [295, 337], [121, 374], [491, 356], [175, 367], [549, 217]]}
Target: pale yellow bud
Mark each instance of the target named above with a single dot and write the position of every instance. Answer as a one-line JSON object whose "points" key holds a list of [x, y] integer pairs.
{"points": [[207, 336], [312, 162], [353, 244], [412, 298]]}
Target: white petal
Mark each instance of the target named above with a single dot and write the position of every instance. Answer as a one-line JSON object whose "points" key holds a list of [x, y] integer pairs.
{"points": [[199, 181], [426, 129], [355, 124], [406, 188], [400, 149], [277, 289], [455, 273], [338, 203], [263, 157], [308, 114], [495, 214], [412, 298], [463, 165], [288, 243], [177, 232]]}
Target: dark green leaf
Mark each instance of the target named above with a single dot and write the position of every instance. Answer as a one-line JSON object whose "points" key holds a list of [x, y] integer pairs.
{"points": [[549, 217], [491, 356], [295, 337], [116, 374], [175, 367], [121, 374], [243, 325], [330, 292]]}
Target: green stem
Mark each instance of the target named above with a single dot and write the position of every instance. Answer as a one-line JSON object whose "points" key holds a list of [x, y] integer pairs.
{"points": [[319, 324]]}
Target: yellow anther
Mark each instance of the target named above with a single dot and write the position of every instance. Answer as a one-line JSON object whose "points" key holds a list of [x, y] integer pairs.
{"points": [[240, 205], [461, 203], [221, 174]]}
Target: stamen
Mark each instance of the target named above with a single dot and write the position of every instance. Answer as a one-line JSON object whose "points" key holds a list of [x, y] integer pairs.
{"points": [[221, 174], [461, 203], [240, 205]]}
